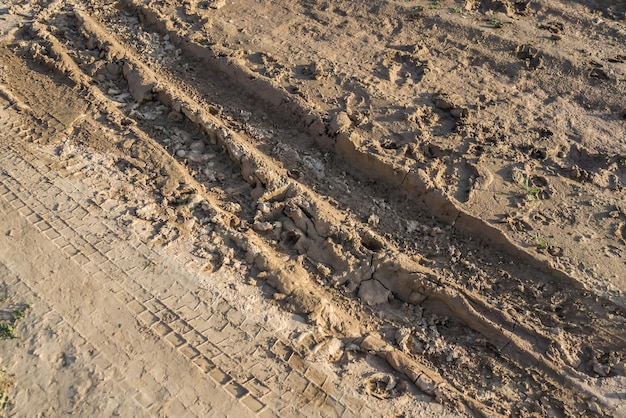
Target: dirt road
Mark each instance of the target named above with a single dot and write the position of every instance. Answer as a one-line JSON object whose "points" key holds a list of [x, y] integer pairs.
{"points": [[233, 208]]}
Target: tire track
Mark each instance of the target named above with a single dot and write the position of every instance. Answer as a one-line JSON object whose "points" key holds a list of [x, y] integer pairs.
{"points": [[208, 336], [302, 215]]}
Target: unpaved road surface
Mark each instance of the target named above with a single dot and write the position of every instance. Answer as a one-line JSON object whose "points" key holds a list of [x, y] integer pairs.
{"points": [[313, 208]]}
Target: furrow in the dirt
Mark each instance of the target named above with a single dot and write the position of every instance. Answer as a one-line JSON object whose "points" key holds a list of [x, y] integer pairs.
{"points": [[283, 279], [141, 295], [478, 227], [262, 173], [238, 151], [416, 183]]}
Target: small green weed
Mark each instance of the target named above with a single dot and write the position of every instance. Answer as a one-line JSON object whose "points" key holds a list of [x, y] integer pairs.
{"points": [[496, 22], [434, 4], [531, 191], [542, 244], [6, 384], [7, 329]]}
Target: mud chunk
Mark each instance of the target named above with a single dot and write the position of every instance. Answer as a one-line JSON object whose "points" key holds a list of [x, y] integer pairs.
{"points": [[113, 69], [375, 343], [315, 71], [420, 51], [451, 103], [530, 55], [381, 386], [600, 369], [553, 26], [445, 101], [323, 270], [596, 70], [408, 342], [262, 226], [339, 123], [373, 293], [328, 350], [497, 6], [217, 4], [521, 7], [140, 85]]}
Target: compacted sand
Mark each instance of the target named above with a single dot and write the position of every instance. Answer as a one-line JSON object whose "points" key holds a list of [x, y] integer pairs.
{"points": [[313, 208]]}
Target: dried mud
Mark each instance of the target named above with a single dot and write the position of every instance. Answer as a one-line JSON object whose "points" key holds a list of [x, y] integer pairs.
{"points": [[437, 184]]}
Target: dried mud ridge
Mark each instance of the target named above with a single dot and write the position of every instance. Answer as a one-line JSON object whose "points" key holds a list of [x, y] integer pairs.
{"points": [[465, 313]]}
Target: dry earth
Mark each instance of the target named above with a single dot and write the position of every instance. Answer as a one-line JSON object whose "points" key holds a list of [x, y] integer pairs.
{"points": [[313, 208]]}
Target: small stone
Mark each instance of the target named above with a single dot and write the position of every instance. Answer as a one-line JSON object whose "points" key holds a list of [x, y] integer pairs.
{"points": [[195, 156], [197, 146], [181, 153], [323, 269], [594, 407], [264, 207], [262, 226], [600, 369], [445, 101]]}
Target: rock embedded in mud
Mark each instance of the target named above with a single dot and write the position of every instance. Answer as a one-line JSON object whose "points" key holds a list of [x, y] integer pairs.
{"points": [[323, 270], [262, 226], [197, 146], [373, 293]]}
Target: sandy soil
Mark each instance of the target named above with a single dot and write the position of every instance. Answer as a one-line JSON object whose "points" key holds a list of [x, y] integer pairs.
{"points": [[313, 208]]}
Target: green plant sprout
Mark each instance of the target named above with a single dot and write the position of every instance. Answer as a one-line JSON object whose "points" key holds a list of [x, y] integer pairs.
{"points": [[496, 22], [6, 383], [542, 244], [7, 329], [434, 4], [531, 191]]}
